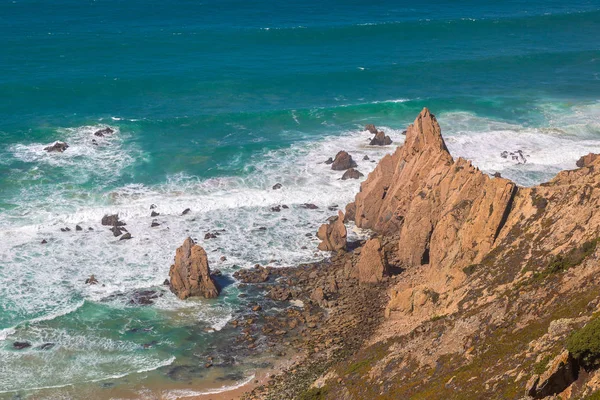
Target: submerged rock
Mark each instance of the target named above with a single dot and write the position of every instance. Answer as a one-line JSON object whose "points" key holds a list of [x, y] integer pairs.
{"points": [[342, 161], [57, 147], [21, 345], [190, 274], [103, 132]]}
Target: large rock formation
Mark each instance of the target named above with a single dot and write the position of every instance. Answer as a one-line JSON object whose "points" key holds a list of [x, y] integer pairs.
{"points": [[587, 160], [342, 161], [57, 147], [446, 211], [372, 264], [190, 274], [380, 139], [333, 234]]}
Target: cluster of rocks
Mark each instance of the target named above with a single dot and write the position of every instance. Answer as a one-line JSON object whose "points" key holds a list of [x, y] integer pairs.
{"points": [[380, 138], [116, 226], [60, 147], [343, 161], [517, 156]]}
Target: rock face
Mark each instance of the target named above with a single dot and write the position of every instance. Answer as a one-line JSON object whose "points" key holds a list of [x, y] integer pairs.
{"points": [[112, 220], [561, 372], [352, 173], [445, 211], [342, 161], [57, 147], [102, 132], [372, 264], [380, 139], [333, 234], [587, 160], [190, 274]]}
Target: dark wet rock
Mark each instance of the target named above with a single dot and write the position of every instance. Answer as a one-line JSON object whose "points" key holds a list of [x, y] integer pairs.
{"points": [[329, 161], [404, 132], [103, 132], [186, 211], [44, 241], [21, 345], [285, 206], [210, 235], [144, 297], [154, 214], [184, 372], [126, 236], [309, 206], [154, 224], [217, 273], [116, 231], [371, 128], [256, 275], [91, 280], [366, 158], [78, 228], [504, 154], [150, 344], [223, 258], [90, 229], [380, 139], [57, 147], [342, 161], [277, 186], [47, 346], [94, 142], [152, 206], [497, 175], [112, 220], [67, 229], [276, 209], [352, 174], [166, 282]]}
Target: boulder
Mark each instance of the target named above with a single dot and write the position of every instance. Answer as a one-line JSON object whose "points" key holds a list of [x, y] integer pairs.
{"points": [[103, 132], [352, 173], [587, 160], [380, 139], [91, 280], [329, 161], [21, 345], [154, 214], [371, 128], [112, 220], [277, 186], [318, 297], [190, 274], [372, 265], [57, 147], [309, 206], [154, 224], [78, 228], [333, 234], [186, 211], [126, 236], [561, 372], [342, 161]]}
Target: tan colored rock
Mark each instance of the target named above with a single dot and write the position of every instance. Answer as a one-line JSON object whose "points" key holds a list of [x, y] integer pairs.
{"points": [[371, 128], [587, 160], [352, 173], [333, 235], [372, 265], [446, 211], [561, 372], [190, 274], [380, 139]]}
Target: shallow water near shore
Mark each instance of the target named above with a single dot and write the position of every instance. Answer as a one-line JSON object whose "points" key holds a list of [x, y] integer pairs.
{"points": [[209, 113]]}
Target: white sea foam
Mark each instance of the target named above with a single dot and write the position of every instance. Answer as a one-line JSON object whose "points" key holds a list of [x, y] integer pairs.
{"points": [[179, 394]]}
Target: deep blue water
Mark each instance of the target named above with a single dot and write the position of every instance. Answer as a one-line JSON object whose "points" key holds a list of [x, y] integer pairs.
{"points": [[213, 103]]}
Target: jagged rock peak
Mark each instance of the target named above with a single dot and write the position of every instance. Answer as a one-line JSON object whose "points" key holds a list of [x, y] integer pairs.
{"points": [[190, 274], [425, 133]]}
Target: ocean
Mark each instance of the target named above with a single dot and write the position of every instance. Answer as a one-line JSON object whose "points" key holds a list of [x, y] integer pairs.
{"points": [[213, 102]]}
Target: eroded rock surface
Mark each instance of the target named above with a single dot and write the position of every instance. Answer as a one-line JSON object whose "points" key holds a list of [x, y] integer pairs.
{"points": [[190, 274], [333, 234]]}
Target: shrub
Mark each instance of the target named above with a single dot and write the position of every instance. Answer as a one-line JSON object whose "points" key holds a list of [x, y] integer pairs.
{"points": [[572, 258], [584, 344], [314, 394]]}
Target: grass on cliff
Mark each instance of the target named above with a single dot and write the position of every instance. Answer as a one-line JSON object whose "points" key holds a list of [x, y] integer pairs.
{"points": [[572, 258], [314, 394], [584, 344]]}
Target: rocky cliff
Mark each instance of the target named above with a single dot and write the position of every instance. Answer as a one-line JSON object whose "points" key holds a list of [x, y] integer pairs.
{"points": [[493, 289]]}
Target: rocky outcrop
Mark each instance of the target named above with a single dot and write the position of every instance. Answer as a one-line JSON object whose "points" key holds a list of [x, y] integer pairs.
{"points": [[587, 160], [371, 128], [445, 211], [57, 147], [380, 139], [112, 220], [103, 132], [372, 264], [342, 161], [352, 173], [190, 274], [333, 234], [561, 372]]}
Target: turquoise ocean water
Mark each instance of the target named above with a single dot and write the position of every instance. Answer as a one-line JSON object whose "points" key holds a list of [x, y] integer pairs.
{"points": [[213, 102]]}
